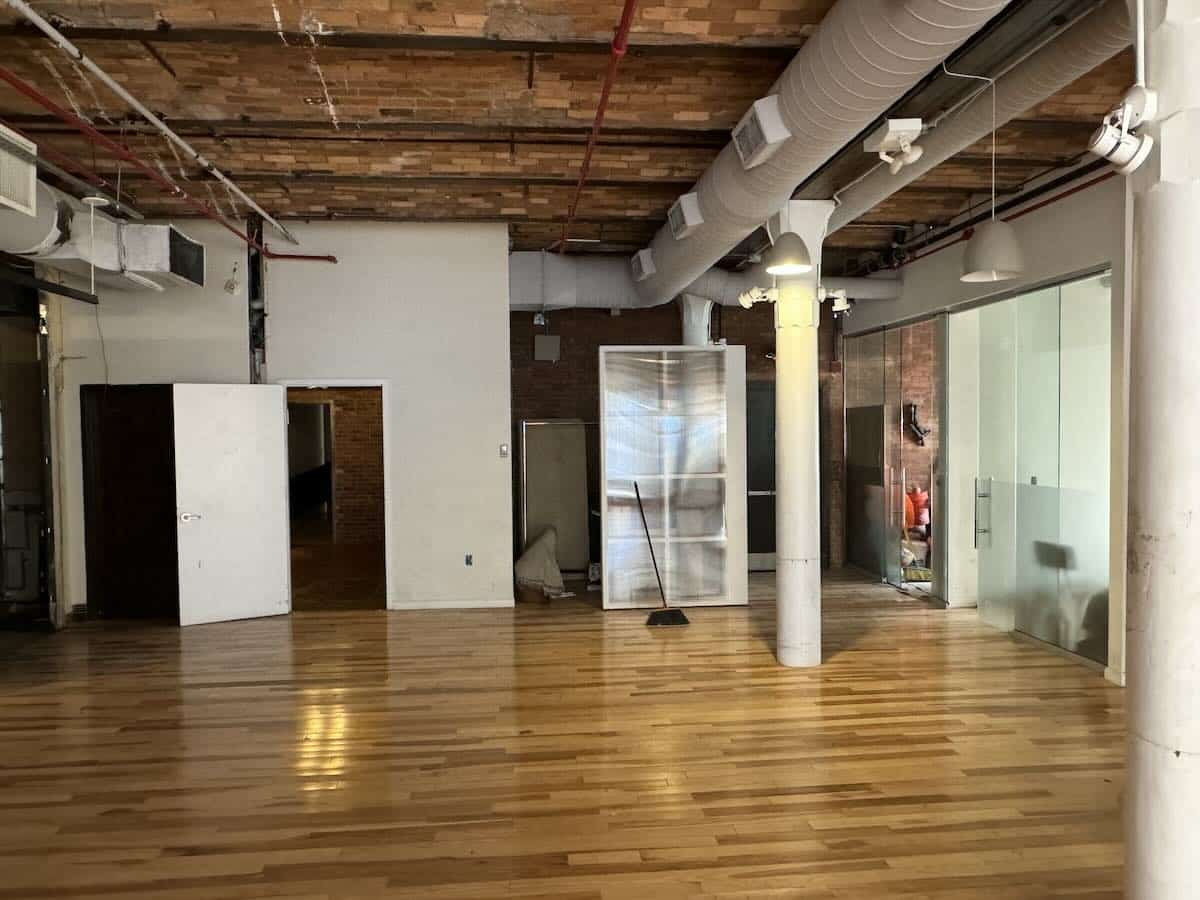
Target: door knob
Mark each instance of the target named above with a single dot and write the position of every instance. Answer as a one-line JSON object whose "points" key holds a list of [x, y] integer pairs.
{"points": [[189, 517]]}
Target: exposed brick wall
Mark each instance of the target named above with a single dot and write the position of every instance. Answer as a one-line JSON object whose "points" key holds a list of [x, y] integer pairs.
{"points": [[357, 460], [570, 388], [920, 385]]}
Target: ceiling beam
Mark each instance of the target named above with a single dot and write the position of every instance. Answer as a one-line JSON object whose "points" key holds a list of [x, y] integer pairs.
{"points": [[292, 129], [553, 218], [362, 40], [317, 177]]}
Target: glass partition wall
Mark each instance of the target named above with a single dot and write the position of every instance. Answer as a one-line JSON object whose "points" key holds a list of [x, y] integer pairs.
{"points": [[893, 403], [674, 484], [1030, 399]]}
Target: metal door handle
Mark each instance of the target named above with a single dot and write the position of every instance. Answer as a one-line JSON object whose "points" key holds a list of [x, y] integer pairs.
{"points": [[760, 493], [190, 517]]}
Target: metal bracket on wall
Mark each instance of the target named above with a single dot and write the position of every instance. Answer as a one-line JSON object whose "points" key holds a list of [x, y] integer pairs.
{"points": [[983, 491]]}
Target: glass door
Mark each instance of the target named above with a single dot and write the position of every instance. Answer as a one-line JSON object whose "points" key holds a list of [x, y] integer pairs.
{"points": [[1035, 415]]}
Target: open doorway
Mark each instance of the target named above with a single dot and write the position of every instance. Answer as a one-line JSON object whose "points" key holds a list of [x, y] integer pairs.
{"points": [[893, 410], [25, 527], [336, 491]]}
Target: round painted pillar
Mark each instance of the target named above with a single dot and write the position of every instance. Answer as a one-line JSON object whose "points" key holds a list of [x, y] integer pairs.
{"points": [[696, 313], [797, 475], [1162, 829]]}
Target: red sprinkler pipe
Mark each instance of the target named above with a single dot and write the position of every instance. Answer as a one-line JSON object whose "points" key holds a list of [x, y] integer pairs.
{"points": [[619, 44], [127, 155]]}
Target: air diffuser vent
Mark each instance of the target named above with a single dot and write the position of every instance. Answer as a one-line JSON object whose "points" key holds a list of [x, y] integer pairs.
{"points": [[642, 264], [760, 132], [684, 216], [18, 176]]}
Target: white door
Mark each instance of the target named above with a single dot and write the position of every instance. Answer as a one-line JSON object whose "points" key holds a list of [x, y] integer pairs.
{"points": [[231, 496]]}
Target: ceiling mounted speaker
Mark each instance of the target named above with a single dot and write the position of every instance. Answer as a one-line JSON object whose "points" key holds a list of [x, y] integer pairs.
{"points": [[993, 253]]}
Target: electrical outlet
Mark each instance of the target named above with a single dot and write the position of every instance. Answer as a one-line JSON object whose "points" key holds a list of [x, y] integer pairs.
{"points": [[469, 560], [504, 451]]}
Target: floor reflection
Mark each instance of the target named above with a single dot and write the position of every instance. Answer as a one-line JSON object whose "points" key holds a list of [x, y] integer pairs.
{"points": [[321, 750]]}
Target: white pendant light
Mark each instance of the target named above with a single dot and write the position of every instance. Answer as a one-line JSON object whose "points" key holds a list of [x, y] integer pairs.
{"points": [[993, 252], [788, 256]]}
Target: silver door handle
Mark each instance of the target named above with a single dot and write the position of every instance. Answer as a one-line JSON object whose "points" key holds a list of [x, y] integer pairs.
{"points": [[760, 493], [190, 517]]}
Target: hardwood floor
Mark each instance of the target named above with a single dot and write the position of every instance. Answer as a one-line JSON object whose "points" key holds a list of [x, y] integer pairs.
{"points": [[328, 577], [555, 751]]}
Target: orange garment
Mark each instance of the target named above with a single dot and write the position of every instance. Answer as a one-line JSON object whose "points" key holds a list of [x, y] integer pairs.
{"points": [[910, 513]]}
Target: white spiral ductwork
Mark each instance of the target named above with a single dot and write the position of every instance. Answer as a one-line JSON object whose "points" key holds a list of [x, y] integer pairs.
{"points": [[860, 60], [539, 280], [1084, 46]]}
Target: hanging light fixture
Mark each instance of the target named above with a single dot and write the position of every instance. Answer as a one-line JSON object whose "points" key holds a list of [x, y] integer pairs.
{"points": [[788, 256], [993, 252]]}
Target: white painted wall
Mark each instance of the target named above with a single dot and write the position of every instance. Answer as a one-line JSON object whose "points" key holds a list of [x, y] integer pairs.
{"points": [[185, 334], [423, 307], [1080, 233]]}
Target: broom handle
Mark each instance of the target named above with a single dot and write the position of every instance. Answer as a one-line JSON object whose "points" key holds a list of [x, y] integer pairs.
{"points": [[650, 544]]}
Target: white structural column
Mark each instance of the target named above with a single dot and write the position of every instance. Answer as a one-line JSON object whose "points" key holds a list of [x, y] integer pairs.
{"points": [[1163, 618], [797, 451], [696, 313]]}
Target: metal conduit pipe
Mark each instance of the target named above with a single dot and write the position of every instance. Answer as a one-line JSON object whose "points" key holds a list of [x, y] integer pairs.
{"points": [[1098, 37], [862, 58], [78, 56], [541, 280], [725, 287]]}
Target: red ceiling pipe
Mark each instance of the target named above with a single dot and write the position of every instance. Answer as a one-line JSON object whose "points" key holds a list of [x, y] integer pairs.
{"points": [[619, 45], [122, 152]]}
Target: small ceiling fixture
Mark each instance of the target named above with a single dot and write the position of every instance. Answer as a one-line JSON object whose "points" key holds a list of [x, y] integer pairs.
{"points": [[894, 141], [993, 252], [1115, 139], [839, 300], [788, 256]]}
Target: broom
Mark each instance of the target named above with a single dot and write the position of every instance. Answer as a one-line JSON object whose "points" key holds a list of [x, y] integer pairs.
{"points": [[667, 615]]}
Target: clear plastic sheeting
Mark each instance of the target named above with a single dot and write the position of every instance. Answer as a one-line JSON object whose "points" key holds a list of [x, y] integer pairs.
{"points": [[665, 427]]}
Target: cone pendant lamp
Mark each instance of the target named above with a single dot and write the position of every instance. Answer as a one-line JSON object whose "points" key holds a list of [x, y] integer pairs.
{"points": [[993, 252]]}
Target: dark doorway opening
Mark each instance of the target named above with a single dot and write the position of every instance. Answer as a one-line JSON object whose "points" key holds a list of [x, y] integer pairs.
{"points": [[26, 535], [336, 492]]}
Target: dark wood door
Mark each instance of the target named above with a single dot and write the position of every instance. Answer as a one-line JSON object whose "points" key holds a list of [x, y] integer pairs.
{"points": [[129, 501]]}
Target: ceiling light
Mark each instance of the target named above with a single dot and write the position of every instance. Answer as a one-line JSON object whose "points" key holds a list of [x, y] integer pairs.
{"points": [[1115, 139], [993, 253], [893, 142], [789, 256], [908, 155]]}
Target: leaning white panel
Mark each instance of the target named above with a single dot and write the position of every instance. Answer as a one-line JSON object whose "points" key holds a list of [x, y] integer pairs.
{"points": [[673, 422]]}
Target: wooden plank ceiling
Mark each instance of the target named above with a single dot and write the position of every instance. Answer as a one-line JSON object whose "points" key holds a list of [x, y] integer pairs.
{"points": [[467, 109]]}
